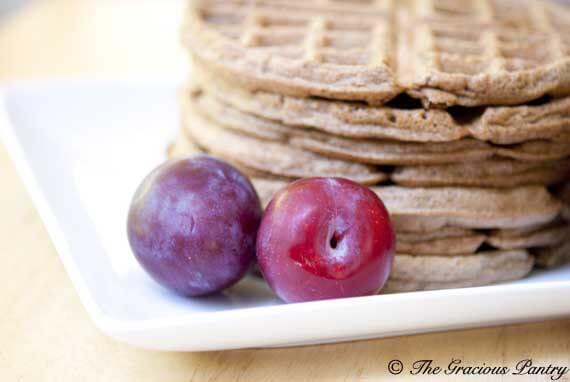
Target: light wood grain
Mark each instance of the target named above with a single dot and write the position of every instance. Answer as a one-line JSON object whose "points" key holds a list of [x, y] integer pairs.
{"points": [[45, 334]]}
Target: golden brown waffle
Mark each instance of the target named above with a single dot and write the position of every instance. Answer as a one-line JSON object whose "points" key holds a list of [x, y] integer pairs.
{"points": [[443, 52]]}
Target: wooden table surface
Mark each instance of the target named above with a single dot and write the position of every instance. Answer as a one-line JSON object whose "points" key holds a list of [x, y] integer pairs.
{"points": [[46, 335]]}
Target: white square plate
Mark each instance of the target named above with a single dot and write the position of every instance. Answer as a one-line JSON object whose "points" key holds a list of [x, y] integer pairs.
{"points": [[82, 147]]}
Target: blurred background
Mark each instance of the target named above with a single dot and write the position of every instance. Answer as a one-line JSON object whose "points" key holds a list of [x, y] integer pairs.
{"points": [[101, 38]]}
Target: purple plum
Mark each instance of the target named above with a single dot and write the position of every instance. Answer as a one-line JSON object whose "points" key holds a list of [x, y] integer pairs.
{"points": [[192, 225]]}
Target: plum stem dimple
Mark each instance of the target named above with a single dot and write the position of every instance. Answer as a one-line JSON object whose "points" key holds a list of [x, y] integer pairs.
{"points": [[335, 239]]}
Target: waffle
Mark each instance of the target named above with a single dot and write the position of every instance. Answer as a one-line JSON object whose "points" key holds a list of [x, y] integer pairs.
{"points": [[428, 209], [469, 242], [370, 151], [455, 241], [297, 50], [564, 195], [553, 256], [407, 153], [401, 120], [488, 173], [549, 236], [497, 173], [445, 246], [411, 273], [442, 233], [498, 52], [511, 51], [272, 157]]}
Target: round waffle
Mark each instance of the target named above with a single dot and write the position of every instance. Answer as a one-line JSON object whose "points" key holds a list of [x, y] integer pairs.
{"points": [[410, 273], [476, 53], [466, 162], [399, 120]]}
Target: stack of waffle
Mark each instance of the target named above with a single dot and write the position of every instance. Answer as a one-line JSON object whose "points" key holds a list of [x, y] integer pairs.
{"points": [[457, 113]]}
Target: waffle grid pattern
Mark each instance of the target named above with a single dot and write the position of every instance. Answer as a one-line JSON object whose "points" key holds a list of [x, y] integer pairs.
{"points": [[308, 34], [471, 52], [507, 36]]}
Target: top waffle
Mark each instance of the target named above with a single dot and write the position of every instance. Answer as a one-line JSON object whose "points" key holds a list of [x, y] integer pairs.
{"points": [[442, 51]]}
